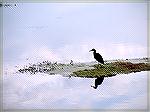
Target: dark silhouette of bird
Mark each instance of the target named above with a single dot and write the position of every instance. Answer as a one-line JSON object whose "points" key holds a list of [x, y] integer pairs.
{"points": [[97, 56], [98, 81]]}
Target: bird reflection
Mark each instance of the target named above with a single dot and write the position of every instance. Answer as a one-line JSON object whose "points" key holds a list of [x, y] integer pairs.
{"points": [[98, 81]]}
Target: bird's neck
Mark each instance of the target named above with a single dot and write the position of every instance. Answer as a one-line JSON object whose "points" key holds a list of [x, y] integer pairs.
{"points": [[94, 52]]}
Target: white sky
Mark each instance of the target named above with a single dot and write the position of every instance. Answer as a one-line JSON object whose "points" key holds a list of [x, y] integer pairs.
{"points": [[64, 31]]}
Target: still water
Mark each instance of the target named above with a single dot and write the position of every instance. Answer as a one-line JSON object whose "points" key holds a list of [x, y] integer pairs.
{"points": [[42, 91]]}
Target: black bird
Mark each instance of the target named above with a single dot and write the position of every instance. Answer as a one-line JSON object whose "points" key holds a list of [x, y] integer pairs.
{"points": [[98, 81], [97, 56]]}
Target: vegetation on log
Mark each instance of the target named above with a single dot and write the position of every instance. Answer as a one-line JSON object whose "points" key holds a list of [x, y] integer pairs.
{"points": [[89, 70], [112, 69]]}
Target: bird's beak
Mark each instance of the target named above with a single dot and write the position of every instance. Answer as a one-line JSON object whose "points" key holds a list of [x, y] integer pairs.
{"points": [[90, 50]]}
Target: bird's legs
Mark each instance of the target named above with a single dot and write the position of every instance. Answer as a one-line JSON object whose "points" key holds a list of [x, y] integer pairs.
{"points": [[100, 65]]}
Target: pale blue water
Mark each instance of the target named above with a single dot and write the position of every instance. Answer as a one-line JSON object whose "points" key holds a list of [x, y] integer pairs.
{"points": [[42, 91]]}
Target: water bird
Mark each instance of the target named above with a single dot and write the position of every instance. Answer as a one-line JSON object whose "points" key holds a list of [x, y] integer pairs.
{"points": [[97, 56], [71, 62]]}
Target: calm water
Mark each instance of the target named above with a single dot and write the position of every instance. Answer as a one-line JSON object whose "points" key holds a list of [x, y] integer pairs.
{"points": [[41, 91]]}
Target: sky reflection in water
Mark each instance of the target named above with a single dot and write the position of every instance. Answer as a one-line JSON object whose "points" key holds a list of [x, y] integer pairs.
{"points": [[24, 91]]}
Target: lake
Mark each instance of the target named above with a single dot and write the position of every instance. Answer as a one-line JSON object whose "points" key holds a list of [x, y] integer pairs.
{"points": [[42, 91]]}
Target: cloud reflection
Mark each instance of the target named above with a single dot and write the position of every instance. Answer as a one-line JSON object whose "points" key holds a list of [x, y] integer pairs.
{"points": [[48, 92]]}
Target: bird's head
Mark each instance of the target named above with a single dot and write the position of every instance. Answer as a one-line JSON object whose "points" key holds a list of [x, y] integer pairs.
{"points": [[92, 50]]}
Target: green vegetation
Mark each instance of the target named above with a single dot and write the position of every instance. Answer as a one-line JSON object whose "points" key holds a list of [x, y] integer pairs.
{"points": [[111, 69], [89, 70]]}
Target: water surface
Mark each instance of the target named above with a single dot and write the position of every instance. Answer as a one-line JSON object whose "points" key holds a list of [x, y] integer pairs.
{"points": [[42, 91]]}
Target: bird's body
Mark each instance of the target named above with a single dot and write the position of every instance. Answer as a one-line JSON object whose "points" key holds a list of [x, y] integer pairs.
{"points": [[97, 56]]}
